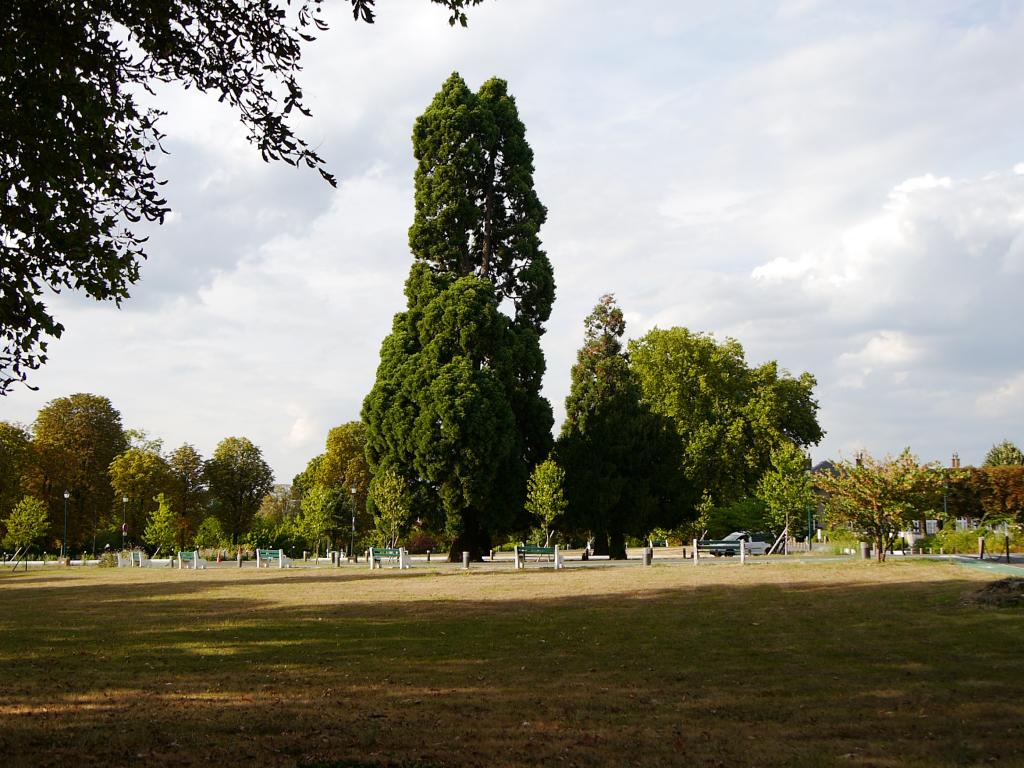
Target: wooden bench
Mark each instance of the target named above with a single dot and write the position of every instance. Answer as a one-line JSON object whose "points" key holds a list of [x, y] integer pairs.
{"points": [[270, 555], [191, 560], [377, 554], [524, 551]]}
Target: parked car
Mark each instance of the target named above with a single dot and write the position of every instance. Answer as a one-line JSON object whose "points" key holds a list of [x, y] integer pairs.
{"points": [[757, 544]]}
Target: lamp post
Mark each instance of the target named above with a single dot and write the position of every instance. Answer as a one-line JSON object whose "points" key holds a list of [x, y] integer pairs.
{"points": [[64, 541], [124, 522], [352, 538]]}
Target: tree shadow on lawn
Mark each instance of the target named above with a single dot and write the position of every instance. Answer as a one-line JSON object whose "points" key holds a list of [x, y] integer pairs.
{"points": [[745, 675]]}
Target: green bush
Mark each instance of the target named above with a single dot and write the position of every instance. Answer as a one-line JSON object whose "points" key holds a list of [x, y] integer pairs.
{"points": [[952, 541], [840, 539]]}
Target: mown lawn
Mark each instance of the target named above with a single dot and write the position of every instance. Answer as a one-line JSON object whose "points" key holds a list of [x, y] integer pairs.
{"points": [[782, 664]]}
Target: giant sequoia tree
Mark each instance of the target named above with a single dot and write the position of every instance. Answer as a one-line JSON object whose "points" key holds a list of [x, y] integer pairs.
{"points": [[78, 152], [456, 408], [623, 473]]}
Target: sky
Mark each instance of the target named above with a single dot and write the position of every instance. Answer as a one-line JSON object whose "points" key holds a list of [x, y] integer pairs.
{"points": [[838, 186]]}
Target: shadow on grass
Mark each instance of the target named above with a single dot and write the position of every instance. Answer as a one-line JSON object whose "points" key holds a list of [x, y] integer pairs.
{"points": [[800, 674]]}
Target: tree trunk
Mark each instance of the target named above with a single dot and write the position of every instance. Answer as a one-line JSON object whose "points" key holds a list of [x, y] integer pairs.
{"points": [[617, 548], [472, 540], [880, 548], [600, 543]]}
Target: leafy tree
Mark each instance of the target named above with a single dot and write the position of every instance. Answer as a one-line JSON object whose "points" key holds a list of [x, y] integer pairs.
{"points": [[750, 514], [622, 469], [729, 416], [188, 489], [388, 499], [15, 459], [28, 522], [786, 488], [545, 497], [1003, 454], [312, 475], [456, 408], [210, 535], [278, 505], [80, 152], [164, 527], [1001, 490], [75, 439], [138, 474], [239, 478], [877, 499], [316, 519]]}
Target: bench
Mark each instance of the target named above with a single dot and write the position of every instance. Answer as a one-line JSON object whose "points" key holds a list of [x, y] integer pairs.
{"points": [[191, 560], [377, 554], [524, 551], [270, 555], [659, 542]]}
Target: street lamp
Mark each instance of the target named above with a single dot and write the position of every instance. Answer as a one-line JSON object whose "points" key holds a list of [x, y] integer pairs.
{"points": [[124, 522], [352, 539], [64, 541]]}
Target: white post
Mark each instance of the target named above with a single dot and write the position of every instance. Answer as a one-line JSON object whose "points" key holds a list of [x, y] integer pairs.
{"points": [[370, 558], [695, 555], [519, 563], [280, 558], [558, 559], [743, 552], [179, 561]]}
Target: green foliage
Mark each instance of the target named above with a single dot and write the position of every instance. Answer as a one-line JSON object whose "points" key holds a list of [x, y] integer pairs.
{"points": [[456, 408], [210, 535], [75, 440], [15, 459], [786, 489], [239, 478], [1003, 454], [138, 474], [879, 498], [955, 541], [729, 416], [545, 497], [316, 518], [750, 514], [164, 527], [388, 497], [621, 461], [187, 489], [278, 505], [267, 535], [28, 522]]}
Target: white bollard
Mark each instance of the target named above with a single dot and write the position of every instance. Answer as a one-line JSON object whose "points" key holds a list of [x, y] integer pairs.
{"points": [[465, 561], [280, 558], [743, 552], [558, 559], [695, 555], [519, 562]]}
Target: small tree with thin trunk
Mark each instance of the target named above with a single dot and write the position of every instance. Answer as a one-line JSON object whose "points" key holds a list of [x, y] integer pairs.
{"points": [[786, 487], [317, 516], [876, 499], [27, 522], [391, 506], [164, 526], [545, 498]]}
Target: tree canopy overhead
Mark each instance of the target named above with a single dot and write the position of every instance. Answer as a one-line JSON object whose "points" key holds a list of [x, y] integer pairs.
{"points": [[78, 151]]}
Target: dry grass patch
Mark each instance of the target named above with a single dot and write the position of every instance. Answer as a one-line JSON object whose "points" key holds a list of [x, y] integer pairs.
{"points": [[774, 664]]}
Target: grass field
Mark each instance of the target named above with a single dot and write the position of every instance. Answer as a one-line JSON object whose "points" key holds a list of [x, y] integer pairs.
{"points": [[783, 664]]}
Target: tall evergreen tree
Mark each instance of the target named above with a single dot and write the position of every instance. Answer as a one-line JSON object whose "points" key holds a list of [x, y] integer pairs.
{"points": [[623, 474], [456, 409]]}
